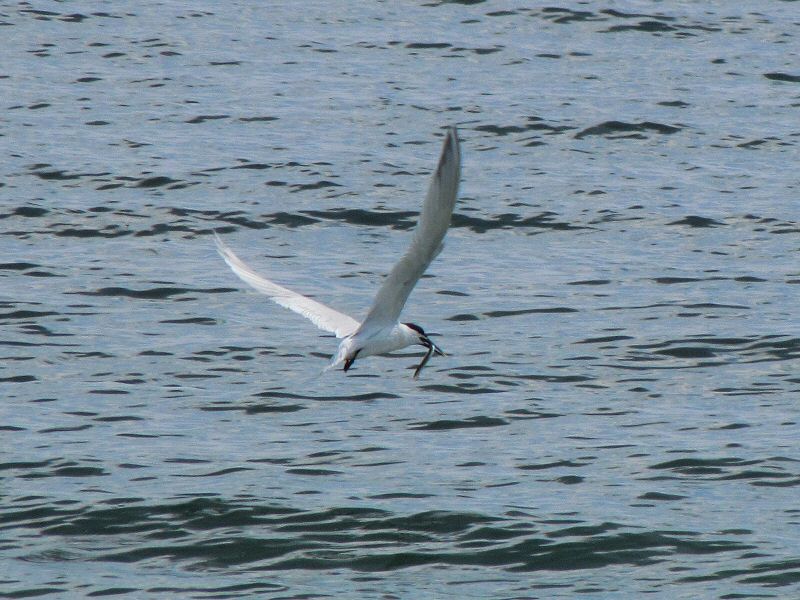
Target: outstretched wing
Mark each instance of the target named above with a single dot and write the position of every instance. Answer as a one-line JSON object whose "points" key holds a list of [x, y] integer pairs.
{"points": [[322, 316], [426, 242]]}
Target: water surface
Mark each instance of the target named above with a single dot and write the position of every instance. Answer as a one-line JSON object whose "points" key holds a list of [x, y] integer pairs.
{"points": [[617, 413]]}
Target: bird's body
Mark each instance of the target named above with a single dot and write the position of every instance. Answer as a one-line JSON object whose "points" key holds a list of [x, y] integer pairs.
{"points": [[380, 331], [379, 341]]}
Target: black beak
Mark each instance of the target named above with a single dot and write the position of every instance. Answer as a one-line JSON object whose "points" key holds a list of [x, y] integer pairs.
{"points": [[432, 348]]}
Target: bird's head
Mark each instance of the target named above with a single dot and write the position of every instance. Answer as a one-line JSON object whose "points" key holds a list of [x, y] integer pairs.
{"points": [[422, 338]]}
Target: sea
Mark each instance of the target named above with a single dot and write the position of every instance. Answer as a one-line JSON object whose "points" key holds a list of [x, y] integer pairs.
{"points": [[617, 414]]}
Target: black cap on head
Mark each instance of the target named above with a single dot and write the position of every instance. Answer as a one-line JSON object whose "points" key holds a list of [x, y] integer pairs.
{"points": [[415, 327]]}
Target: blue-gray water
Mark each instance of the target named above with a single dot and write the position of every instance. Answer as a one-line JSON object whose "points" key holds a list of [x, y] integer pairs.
{"points": [[618, 411]]}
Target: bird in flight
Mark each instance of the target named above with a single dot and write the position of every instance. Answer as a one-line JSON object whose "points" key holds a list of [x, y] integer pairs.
{"points": [[380, 331]]}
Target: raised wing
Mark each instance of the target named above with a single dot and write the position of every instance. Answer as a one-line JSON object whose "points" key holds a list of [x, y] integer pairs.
{"points": [[322, 316], [427, 240]]}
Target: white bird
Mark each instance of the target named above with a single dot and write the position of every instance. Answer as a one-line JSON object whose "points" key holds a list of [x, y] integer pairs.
{"points": [[380, 331]]}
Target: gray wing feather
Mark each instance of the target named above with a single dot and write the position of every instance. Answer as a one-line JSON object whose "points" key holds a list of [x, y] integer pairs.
{"points": [[426, 242], [322, 316]]}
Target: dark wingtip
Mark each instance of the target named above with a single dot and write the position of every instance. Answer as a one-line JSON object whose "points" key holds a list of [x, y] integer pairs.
{"points": [[449, 148], [451, 137]]}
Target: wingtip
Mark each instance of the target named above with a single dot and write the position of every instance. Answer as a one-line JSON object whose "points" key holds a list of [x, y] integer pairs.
{"points": [[451, 151], [221, 247], [451, 136]]}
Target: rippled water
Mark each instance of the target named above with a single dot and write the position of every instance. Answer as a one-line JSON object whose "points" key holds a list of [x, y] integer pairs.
{"points": [[617, 414]]}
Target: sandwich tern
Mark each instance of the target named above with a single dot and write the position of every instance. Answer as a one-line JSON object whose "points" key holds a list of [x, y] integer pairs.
{"points": [[380, 331]]}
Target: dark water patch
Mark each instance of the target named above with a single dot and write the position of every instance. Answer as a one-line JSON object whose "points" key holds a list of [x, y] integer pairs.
{"points": [[281, 407], [674, 103], [793, 482], [687, 352], [463, 317], [620, 128], [290, 219], [590, 282], [674, 280], [17, 343], [395, 220], [242, 221], [551, 465], [566, 16], [112, 591], [156, 181], [272, 538], [500, 130], [728, 469], [783, 77], [42, 274], [661, 497], [27, 314], [118, 419], [480, 51], [526, 311], [470, 422], [35, 591], [777, 348], [30, 212], [110, 231], [461, 388], [425, 46], [404, 220], [553, 378], [696, 221], [263, 119], [26, 465], [645, 26], [318, 185], [569, 479], [204, 118], [157, 293], [313, 472], [624, 15], [715, 305], [364, 397], [502, 13], [76, 471], [231, 591], [217, 473], [751, 144], [512, 220], [731, 426], [524, 413], [190, 321], [254, 409], [533, 123], [253, 166], [455, 293], [605, 339], [752, 349], [273, 408], [528, 555], [61, 175], [780, 573]]}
